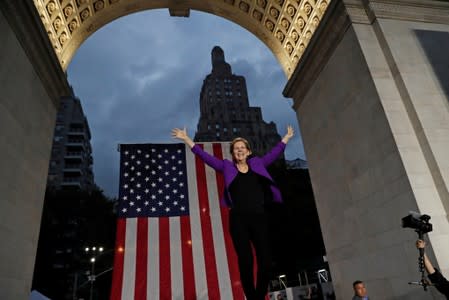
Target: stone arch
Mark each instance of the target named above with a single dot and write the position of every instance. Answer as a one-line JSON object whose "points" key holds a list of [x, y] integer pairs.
{"points": [[285, 26], [371, 92]]}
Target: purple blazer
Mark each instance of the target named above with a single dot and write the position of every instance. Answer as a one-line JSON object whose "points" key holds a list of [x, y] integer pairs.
{"points": [[257, 165]]}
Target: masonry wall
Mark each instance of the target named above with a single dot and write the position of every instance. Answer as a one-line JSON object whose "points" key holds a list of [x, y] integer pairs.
{"points": [[417, 52], [371, 96], [359, 181], [28, 98]]}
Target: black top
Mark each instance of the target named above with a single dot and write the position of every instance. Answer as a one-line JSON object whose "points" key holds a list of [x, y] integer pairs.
{"points": [[248, 193], [440, 283]]}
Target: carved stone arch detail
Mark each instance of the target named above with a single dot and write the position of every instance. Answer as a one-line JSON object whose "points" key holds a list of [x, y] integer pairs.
{"points": [[285, 26]]}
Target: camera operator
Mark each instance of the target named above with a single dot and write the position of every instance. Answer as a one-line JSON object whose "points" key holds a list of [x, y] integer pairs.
{"points": [[438, 280]]}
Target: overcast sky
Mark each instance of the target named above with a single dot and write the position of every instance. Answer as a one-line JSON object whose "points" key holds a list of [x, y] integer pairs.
{"points": [[141, 75]]}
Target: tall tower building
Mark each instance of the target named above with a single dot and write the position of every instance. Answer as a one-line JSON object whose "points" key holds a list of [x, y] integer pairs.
{"points": [[225, 112], [71, 155]]}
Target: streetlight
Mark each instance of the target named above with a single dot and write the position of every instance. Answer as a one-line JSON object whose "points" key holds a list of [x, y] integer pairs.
{"points": [[96, 251]]}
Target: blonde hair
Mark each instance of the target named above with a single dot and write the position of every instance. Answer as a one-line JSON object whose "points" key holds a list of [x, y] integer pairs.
{"points": [[239, 139]]}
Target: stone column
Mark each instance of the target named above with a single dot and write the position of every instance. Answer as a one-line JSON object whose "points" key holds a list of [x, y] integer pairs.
{"points": [[31, 83], [371, 94]]}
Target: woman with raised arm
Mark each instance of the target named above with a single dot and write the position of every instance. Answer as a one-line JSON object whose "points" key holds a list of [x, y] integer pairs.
{"points": [[246, 182]]}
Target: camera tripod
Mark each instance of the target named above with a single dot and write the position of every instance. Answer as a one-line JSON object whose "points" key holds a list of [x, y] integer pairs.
{"points": [[421, 225], [424, 282]]}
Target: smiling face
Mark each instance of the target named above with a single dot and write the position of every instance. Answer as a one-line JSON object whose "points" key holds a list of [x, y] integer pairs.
{"points": [[240, 150]]}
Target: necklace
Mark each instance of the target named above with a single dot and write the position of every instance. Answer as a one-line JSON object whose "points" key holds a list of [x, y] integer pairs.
{"points": [[243, 168]]}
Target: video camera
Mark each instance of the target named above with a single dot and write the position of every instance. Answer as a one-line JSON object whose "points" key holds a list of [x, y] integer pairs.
{"points": [[418, 222]]}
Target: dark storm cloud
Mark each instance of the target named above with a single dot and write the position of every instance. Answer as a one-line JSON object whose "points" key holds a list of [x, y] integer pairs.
{"points": [[141, 75]]}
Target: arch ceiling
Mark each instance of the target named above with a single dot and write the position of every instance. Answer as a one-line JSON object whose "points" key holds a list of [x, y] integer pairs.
{"points": [[285, 26]]}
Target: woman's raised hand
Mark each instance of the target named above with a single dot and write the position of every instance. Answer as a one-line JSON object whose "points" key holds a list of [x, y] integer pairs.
{"points": [[181, 134], [288, 135]]}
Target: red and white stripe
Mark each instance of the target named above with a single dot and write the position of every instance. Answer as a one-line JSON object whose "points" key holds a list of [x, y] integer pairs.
{"points": [[189, 257]]}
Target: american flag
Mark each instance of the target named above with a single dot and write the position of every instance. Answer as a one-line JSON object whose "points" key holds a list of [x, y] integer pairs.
{"points": [[172, 235]]}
